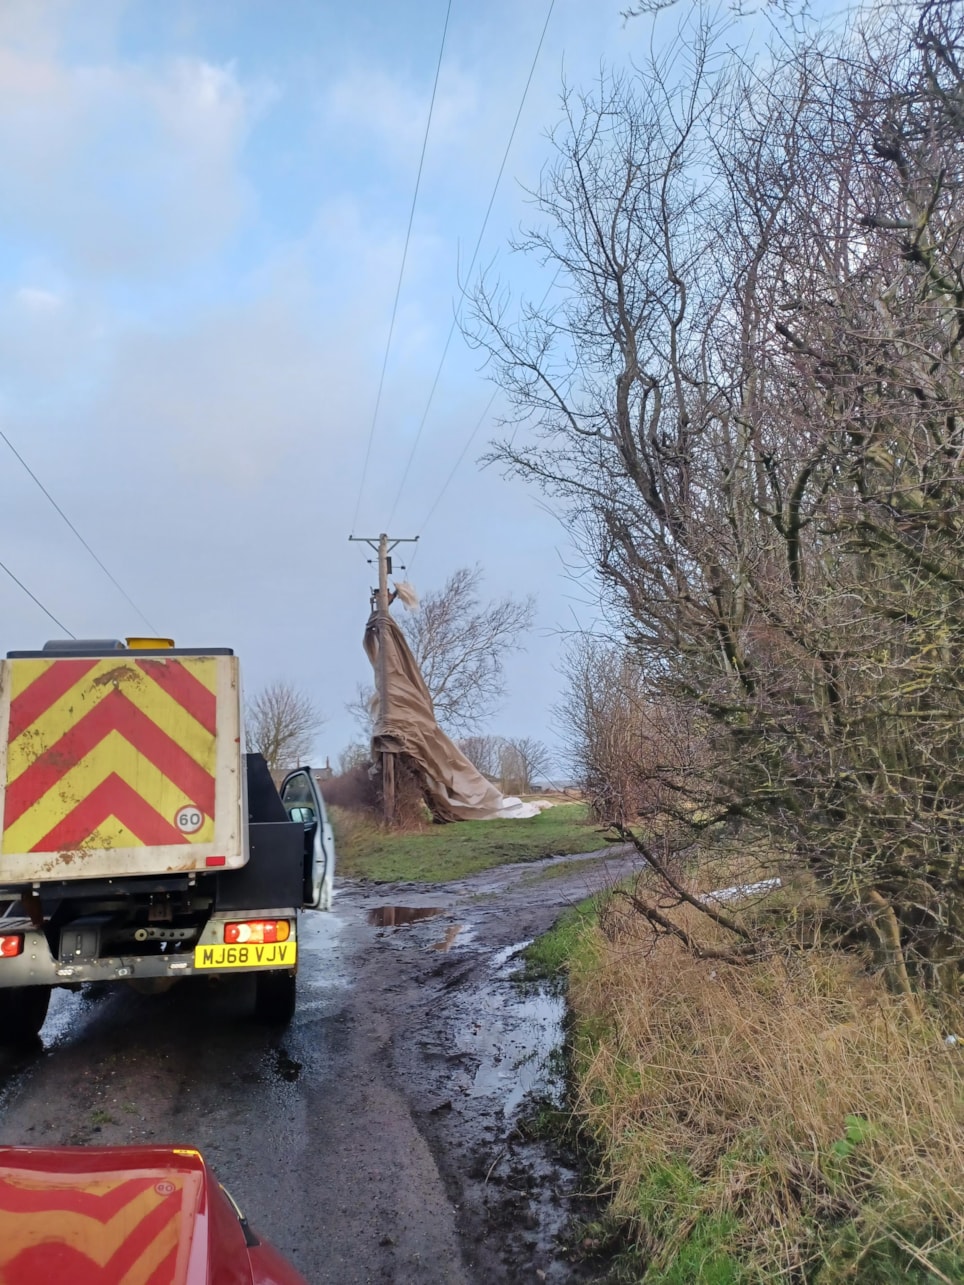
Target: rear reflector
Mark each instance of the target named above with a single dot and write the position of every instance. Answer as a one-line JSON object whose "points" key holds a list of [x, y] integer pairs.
{"points": [[11, 946], [215, 861], [257, 931]]}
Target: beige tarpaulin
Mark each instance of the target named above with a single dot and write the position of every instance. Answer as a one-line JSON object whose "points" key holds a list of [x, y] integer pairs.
{"points": [[458, 790]]}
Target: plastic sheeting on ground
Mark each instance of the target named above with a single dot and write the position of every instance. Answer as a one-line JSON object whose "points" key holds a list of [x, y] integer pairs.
{"points": [[457, 790]]}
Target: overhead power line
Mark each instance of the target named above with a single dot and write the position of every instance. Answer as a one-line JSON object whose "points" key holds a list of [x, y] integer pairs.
{"points": [[34, 597], [475, 255], [119, 587], [472, 436], [455, 466], [401, 271]]}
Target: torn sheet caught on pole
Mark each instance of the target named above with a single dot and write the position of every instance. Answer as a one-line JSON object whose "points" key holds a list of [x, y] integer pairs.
{"points": [[457, 789]]}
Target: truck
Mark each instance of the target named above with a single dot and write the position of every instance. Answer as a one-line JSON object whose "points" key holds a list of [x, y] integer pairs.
{"points": [[139, 841]]}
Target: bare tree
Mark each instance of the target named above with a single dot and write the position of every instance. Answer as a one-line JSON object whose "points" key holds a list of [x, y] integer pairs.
{"points": [[362, 708], [483, 752], [353, 755], [528, 758], [748, 403], [460, 644], [604, 719], [514, 763], [281, 723], [790, 9], [511, 770]]}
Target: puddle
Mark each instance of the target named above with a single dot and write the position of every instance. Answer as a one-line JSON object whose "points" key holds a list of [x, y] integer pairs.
{"points": [[614, 857], [508, 955], [395, 916], [513, 1037], [285, 1067], [448, 941], [321, 936]]}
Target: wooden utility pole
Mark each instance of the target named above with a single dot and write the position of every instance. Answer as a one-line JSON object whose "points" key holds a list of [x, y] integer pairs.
{"points": [[382, 601], [388, 760]]}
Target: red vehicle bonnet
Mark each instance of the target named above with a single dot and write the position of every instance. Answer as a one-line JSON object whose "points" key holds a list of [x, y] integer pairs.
{"points": [[124, 1216]]}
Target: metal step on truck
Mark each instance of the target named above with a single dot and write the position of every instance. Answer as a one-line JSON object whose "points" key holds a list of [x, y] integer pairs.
{"points": [[139, 842]]}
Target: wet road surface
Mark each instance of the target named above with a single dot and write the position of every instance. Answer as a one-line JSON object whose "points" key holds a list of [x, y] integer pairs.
{"points": [[374, 1139]]}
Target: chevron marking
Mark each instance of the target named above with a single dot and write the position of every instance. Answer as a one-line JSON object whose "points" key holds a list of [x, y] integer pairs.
{"points": [[190, 726], [53, 682], [131, 1229], [113, 714], [112, 801], [104, 754], [182, 685]]}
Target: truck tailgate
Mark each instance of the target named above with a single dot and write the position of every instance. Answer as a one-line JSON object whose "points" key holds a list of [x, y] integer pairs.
{"points": [[119, 766]]}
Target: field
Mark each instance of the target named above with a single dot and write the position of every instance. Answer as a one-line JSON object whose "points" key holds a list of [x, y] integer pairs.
{"points": [[436, 853]]}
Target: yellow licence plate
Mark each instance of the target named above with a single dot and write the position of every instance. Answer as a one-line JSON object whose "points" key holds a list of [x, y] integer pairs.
{"points": [[282, 954]]}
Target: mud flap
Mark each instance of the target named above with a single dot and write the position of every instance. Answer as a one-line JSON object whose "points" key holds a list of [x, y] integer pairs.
{"points": [[275, 996], [23, 1010]]}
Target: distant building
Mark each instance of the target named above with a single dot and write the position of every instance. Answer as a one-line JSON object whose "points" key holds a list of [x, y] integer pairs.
{"points": [[321, 773]]}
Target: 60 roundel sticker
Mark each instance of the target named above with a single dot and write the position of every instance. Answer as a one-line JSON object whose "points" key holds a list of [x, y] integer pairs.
{"points": [[189, 819]]}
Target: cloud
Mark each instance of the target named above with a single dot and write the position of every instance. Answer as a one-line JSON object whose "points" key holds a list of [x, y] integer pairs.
{"points": [[36, 300], [204, 419], [120, 169], [233, 398], [276, 382], [51, 347], [372, 103], [41, 25]]}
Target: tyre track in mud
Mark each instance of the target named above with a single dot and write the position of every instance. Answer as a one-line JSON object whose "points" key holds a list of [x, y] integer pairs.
{"points": [[375, 1138]]}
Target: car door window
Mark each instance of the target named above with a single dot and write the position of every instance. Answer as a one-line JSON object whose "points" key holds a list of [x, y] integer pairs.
{"points": [[303, 803], [297, 789]]}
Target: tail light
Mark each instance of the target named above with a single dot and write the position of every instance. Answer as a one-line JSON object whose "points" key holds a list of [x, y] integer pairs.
{"points": [[10, 946], [257, 932]]}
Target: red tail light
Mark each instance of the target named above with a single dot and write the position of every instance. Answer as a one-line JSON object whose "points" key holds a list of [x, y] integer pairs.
{"points": [[11, 946], [257, 932]]}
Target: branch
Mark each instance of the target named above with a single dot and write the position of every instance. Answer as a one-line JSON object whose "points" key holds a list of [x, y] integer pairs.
{"points": [[717, 916]]}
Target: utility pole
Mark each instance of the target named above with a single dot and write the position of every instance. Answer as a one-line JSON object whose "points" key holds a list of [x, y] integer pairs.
{"points": [[383, 547]]}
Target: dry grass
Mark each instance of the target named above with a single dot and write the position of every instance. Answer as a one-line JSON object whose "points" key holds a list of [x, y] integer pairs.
{"points": [[784, 1121]]}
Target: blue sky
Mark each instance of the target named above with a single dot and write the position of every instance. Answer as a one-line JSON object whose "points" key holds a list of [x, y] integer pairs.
{"points": [[204, 210]]}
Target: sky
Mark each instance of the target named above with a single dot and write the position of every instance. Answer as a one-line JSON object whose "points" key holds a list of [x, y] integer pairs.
{"points": [[203, 217]]}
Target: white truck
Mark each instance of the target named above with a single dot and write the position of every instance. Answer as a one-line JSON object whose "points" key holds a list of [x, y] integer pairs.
{"points": [[138, 841]]}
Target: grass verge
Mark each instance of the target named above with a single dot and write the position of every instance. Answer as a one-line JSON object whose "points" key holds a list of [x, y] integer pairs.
{"points": [[787, 1121], [440, 852], [549, 956]]}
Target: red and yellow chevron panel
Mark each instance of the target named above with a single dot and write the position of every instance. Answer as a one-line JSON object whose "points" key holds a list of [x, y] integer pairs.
{"points": [[99, 1228], [116, 753]]}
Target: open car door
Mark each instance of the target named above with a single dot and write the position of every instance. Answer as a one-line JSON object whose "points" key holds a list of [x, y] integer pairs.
{"points": [[303, 802]]}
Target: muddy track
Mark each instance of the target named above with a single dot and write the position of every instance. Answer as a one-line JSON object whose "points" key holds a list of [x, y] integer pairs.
{"points": [[375, 1139]]}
